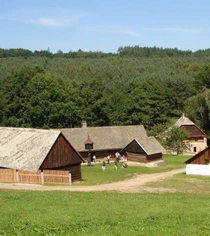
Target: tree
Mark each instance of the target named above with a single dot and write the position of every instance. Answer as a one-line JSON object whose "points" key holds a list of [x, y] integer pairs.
{"points": [[15, 90], [2, 107], [147, 104], [198, 109], [202, 79], [49, 102], [176, 140], [91, 102]]}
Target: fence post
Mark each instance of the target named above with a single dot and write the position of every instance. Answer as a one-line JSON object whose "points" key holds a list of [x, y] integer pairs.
{"points": [[70, 178], [42, 177], [17, 176]]}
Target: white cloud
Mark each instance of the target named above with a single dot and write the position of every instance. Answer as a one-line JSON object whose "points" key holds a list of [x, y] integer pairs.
{"points": [[114, 29], [51, 22], [49, 18], [181, 30]]}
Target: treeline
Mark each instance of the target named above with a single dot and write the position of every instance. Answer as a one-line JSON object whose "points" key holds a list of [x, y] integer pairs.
{"points": [[19, 52], [135, 51], [122, 89]]}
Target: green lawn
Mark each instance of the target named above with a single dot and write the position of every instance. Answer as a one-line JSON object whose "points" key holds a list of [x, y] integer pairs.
{"points": [[69, 213], [61, 213], [93, 175], [184, 183]]}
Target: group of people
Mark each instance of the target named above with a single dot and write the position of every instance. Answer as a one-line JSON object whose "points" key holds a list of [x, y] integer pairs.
{"points": [[90, 159], [118, 157], [107, 160]]}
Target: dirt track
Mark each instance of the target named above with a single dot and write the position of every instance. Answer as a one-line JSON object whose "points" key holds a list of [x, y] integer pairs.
{"points": [[133, 185]]}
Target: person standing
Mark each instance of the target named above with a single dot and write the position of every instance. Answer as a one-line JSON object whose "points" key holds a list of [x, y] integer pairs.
{"points": [[89, 159], [103, 165], [117, 156], [115, 164], [108, 159]]}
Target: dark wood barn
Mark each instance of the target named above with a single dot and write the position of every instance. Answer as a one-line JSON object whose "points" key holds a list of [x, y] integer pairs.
{"points": [[34, 149], [146, 150], [202, 157]]}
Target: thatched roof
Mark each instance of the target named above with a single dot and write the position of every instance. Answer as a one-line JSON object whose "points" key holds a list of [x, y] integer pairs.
{"points": [[191, 127], [22, 148], [183, 121], [107, 137], [150, 145]]}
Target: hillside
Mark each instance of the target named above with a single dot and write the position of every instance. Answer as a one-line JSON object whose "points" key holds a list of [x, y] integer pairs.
{"points": [[135, 86]]}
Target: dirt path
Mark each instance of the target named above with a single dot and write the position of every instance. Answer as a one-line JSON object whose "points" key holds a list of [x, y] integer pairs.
{"points": [[133, 185]]}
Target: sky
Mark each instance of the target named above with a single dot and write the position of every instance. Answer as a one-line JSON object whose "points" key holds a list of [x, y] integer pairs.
{"points": [[104, 25]]}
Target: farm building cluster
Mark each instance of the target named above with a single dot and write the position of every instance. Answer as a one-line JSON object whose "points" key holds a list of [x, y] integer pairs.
{"points": [[66, 149]]}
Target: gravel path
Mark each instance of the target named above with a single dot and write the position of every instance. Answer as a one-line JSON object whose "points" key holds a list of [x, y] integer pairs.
{"points": [[133, 185]]}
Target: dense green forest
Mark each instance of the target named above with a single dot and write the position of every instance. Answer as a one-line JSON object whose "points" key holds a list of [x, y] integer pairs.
{"points": [[136, 85]]}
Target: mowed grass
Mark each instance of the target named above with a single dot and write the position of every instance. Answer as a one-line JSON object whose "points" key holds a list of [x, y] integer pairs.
{"points": [[92, 175], [184, 183], [105, 214]]}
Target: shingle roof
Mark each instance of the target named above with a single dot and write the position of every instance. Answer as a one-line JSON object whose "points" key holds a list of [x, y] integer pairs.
{"points": [[22, 148], [151, 146], [183, 121], [107, 137]]}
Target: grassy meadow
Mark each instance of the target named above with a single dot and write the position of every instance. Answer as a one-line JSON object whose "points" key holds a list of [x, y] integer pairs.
{"points": [[111, 213], [92, 175], [70, 213]]}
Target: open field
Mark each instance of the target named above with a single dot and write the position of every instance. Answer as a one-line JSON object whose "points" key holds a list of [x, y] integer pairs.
{"points": [[184, 183], [184, 212], [70, 213]]}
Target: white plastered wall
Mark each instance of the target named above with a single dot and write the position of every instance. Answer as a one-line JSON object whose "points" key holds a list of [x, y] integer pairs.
{"points": [[200, 145], [197, 169]]}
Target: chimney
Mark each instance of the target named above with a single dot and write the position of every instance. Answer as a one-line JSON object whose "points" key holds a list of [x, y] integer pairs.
{"points": [[84, 124]]}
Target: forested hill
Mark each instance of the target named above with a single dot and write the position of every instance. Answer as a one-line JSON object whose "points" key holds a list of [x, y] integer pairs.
{"points": [[136, 85]]}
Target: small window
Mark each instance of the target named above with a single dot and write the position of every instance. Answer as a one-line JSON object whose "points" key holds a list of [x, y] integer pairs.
{"points": [[195, 149]]}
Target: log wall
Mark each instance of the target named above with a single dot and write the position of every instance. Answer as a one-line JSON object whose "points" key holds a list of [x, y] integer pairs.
{"points": [[136, 157]]}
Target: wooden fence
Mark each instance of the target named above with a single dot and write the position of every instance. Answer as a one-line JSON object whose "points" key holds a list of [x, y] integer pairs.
{"points": [[35, 177]]}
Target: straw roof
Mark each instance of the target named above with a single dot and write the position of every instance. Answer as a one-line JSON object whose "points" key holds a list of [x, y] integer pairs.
{"points": [[183, 121], [151, 146], [107, 137], [22, 148]]}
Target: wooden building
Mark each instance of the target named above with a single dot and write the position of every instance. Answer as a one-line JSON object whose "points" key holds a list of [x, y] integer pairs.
{"points": [[199, 164], [106, 140], [37, 149], [197, 138], [144, 150], [202, 158]]}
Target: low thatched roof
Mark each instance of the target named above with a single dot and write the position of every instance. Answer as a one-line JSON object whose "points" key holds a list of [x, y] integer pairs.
{"points": [[22, 148], [107, 137], [150, 145]]}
